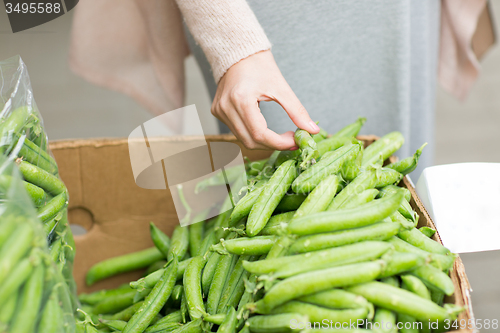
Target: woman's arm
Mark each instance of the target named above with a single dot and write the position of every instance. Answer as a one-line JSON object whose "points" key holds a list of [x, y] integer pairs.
{"points": [[239, 53]]}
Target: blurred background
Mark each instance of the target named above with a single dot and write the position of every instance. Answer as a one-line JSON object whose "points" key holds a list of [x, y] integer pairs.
{"points": [[73, 108]]}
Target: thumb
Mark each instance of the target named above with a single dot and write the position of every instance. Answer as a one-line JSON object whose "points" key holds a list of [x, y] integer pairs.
{"points": [[296, 111]]}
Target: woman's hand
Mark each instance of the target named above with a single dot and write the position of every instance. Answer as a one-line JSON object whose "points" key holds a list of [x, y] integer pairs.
{"points": [[236, 103]]}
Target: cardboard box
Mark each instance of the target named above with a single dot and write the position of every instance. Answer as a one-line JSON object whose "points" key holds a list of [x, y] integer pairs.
{"points": [[105, 200]]}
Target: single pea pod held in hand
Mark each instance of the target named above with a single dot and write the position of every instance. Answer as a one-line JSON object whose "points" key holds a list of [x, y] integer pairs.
{"points": [[307, 145]]}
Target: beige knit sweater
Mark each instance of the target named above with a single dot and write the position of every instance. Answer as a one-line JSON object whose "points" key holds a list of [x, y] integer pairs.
{"points": [[138, 47]]}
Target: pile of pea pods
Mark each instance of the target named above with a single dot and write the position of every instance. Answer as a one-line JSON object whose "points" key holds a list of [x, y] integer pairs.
{"points": [[23, 140], [324, 240]]}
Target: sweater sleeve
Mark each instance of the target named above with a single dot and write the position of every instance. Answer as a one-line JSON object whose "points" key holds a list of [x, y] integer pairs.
{"points": [[226, 30]]}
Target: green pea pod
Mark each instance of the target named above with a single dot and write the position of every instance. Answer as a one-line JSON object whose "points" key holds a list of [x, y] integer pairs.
{"points": [[351, 169], [408, 164], [229, 323], [385, 147], [36, 156], [334, 143], [126, 314], [294, 154], [52, 315], [155, 266], [280, 247], [291, 201], [255, 167], [154, 302], [122, 264], [270, 197], [401, 220], [408, 323], [160, 239], [171, 320], [209, 271], [150, 280], [282, 323], [115, 304], [16, 278], [330, 163], [337, 299], [428, 232], [277, 224], [50, 226], [36, 193], [400, 262], [14, 249], [53, 207], [218, 282], [388, 177], [208, 240], [376, 232], [316, 281], [307, 145], [369, 213], [384, 321], [196, 231], [405, 208], [179, 243], [366, 180], [29, 303], [97, 296], [7, 311], [8, 227], [351, 130], [364, 197], [41, 178], [318, 314], [193, 326], [403, 301], [418, 239], [12, 126], [435, 279], [219, 179], [320, 198], [192, 287], [246, 245], [115, 325], [243, 207], [416, 286], [215, 319]]}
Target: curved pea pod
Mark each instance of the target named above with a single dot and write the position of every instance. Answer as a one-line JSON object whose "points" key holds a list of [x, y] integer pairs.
{"points": [[279, 323], [337, 299], [253, 168], [160, 239], [293, 154], [192, 287], [319, 199], [408, 164], [277, 224], [434, 279], [218, 282], [415, 285], [13, 125], [442, 262], [316, 281], [209, 271], [245, 245], [375, 232], [330, 163], [401, 220], [270, 197], [15, 248], [385, 147], [418, 239], [36, 156], [388, 177], [362, 198], [41, 178], [403, 301], [307, 146], [366, 180], [328, 221], [121, 264], [243, 207], [53, 207], [52, 316], [399, 262], [16, 278], [179, 243], [29, 303], [334, 257], [290, 202], [154, 302], [351, 130], [318, 314], [428, 232], [229, 323]]}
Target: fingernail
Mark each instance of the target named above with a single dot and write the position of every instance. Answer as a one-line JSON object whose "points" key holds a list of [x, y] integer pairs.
{"points": [[294, 148], [314, 127]]}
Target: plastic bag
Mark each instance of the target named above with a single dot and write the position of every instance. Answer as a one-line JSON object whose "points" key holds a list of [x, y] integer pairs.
{"points": [[34, 296], [23, 140]]}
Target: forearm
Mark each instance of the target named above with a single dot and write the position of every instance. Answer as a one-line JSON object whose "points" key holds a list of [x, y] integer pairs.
{"points": [[226, 30]]}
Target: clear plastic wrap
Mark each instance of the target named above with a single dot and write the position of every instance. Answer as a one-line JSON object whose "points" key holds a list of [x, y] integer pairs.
{"points": [[23, 141], [34, 296]]}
